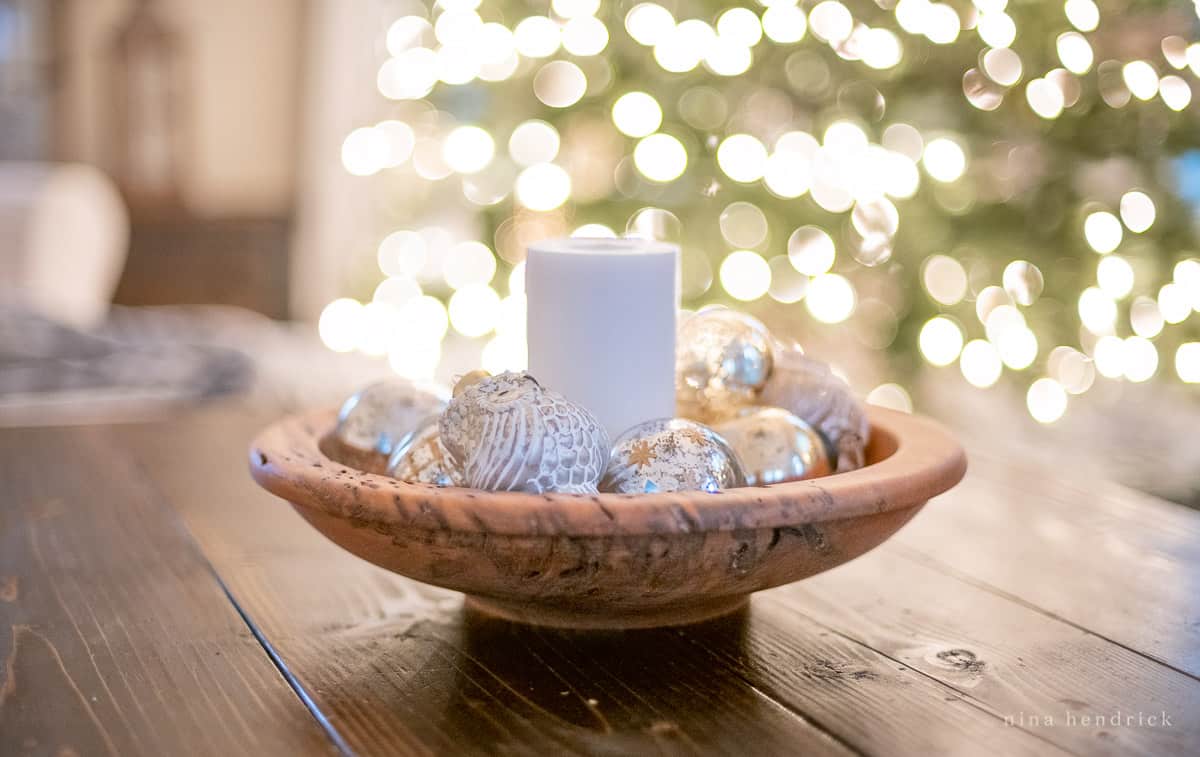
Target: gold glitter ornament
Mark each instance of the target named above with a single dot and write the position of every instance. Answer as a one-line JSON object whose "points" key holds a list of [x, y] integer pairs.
{"points": [[508, 433], [378, 416], [808, 389], [669, 455], [722, 361], [774, 445], [421, 458]]}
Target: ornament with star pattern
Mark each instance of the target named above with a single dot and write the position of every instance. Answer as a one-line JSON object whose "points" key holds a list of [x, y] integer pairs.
{"points": [[669, 455]]}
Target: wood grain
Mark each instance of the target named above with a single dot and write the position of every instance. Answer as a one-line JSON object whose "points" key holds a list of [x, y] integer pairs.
{"points": [[1002, 655], [1118, 563], [115, 635]]}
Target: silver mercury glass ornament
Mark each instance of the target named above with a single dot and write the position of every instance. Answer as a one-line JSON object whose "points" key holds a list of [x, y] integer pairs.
{"points": [[421, 458], [776, 446], [669, 455], [378, 416], [722, 361], [508, 433]]}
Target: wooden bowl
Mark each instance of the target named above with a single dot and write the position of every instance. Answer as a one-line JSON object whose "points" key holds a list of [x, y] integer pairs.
{"points": [[610, 560]]}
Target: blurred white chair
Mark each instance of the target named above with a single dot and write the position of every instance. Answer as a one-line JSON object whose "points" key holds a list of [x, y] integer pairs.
{"points": [[64, 235]]}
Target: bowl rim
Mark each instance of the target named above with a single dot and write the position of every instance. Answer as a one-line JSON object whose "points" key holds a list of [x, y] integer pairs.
{"points": [[286, 459]]}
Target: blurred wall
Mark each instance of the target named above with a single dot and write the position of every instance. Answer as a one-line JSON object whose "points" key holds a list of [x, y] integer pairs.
{"points": [[241, 64]]}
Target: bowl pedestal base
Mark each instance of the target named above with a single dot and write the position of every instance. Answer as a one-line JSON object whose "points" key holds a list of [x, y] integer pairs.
{"points": [[608, 619]]}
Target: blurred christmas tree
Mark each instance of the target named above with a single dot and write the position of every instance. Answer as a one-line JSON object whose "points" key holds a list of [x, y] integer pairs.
{"points": [[1001, 186]]}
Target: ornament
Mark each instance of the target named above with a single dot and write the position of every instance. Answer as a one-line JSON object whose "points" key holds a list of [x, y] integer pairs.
{"points": [[808, 389], [670, 455], [374, 419], [508, 433], [722, 360], [421, 458], [774, 445]]}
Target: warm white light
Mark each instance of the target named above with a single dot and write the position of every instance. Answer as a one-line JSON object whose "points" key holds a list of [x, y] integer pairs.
{"points": [[1187, 362], [1140, 358], [685, 46], [396, 290], [811, 250], [788, 174], [1002, 66], [468, 149], [365, 151], [942, 24], [1115, 276], [1045, 98], [559, 84], [594, 231], [1046, 400], [505, 352], [402, 253], [339, 324], [400, 140], [745, 275], [997, 29], [537, 37], [1071, 368], [727, 58], [660, 157], [377, 324], [830, 298], [1097, 311], [784, 23], [891, 396], [1137, 211], [585, 36], [742, 157], [415, 361], [533, 142], [1141, 78], [468, 263], [740, 26], [543, 186], [636, 114], [457, 28], [1018, 348], [944, 159], [649, 23], [980, 363], [1175, 92], [831, 21], [1109, 356], [457, 64], [1075, 52], [424, 320], [1174, 303], [1083, 14], [406, 32], [474, 310], [941, 340], [1102, 231], [945, 279], [1145, 318], [881, 49], [1023, 281]]}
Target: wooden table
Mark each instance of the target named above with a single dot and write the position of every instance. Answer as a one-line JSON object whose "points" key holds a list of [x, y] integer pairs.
{"points": [[154, 601]]}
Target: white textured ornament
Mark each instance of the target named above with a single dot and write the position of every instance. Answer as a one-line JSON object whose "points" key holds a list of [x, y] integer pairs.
{"points": [[775, 446], [508, 433], [670, 455], [722, 361], [421, 458], [378, 416], [808, 389]]}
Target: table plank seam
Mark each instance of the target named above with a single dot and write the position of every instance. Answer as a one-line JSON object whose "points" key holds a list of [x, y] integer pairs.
{"points": [[294, 683], [921, 558], [965, 696]]}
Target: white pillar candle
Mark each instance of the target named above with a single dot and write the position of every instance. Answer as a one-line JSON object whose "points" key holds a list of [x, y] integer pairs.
{"points": [[601, 325]]}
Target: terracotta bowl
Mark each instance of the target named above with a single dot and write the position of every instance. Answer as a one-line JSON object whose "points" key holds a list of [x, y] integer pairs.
{"points": [[610, 560]]}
